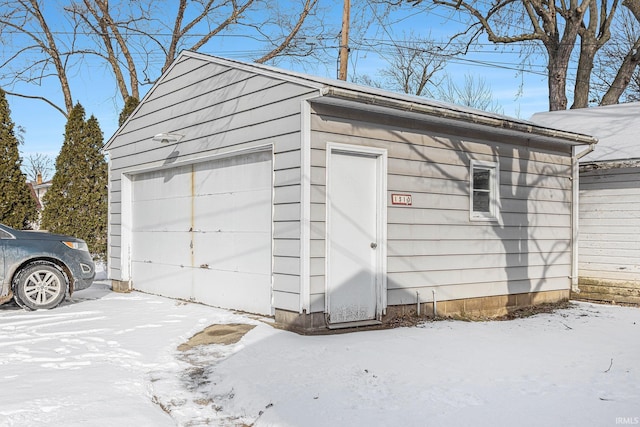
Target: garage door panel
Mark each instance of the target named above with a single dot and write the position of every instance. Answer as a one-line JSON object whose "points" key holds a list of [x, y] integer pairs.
{"points": [[233, 172], [173, 215], [167, 280], [175, 182], [233, 290], [153, 248], [234, 212], [247, 253]]}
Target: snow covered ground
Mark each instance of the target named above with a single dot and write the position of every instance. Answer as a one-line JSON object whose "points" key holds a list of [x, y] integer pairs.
{"points": [[108, 359]]}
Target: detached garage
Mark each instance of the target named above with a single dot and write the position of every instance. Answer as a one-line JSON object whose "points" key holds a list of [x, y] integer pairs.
{"points": [[329, 205]]}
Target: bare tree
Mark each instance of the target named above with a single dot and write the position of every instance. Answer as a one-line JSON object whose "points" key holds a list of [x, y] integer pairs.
{"points": [[625, 34], [142, 29], [96, 16], [290, 27], [367, 80], [226, 13], [38, 166], [127, 36], [40, 54], [413, 65], [629, 63], [474, 93], [554, 27]]}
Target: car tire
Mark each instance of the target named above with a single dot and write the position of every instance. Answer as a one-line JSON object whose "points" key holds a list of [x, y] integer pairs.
{"points": [[40, 287]]}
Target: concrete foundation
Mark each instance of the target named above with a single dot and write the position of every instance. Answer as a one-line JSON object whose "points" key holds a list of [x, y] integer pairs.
{"points": [[611, 291], [121, 286], [470, 308]]}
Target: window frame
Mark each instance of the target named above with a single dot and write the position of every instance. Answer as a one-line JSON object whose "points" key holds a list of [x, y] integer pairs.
{"points": [[5, 235], [494, 190]]}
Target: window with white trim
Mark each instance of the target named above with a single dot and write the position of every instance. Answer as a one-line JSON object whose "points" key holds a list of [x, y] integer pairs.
{"points": [[484, 191]]}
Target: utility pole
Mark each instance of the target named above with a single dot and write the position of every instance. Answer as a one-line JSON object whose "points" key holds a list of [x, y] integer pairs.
{"points": [[344, 42]]}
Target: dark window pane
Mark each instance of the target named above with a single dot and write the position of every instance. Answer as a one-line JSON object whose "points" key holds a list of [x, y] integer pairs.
{"points": [[481, 178], [481, 201]]}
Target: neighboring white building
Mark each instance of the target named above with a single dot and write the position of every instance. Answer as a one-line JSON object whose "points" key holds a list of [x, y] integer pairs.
{"points": [[609, 220], [328, 204], [38, 190]]}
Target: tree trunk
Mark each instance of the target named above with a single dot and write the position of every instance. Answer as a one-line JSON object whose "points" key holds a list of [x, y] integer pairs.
{"points": [[54, 53], [633, 6], [103, 31], [623, 77], [583, 74], [124, 48], [559, 50], [557, 75], [593, 36]]}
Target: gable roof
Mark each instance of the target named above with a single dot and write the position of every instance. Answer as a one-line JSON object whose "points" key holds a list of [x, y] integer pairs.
{"points": [[615, 126], [338, 92]]}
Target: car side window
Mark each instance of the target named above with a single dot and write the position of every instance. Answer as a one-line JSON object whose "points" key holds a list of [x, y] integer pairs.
{"points": [[4, 235]]}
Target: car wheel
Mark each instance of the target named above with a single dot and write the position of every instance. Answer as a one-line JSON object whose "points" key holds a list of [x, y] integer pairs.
{"points": [[40, 286]]}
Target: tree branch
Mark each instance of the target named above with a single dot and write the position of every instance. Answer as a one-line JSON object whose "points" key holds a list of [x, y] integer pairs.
{"points": [[308, 6], [41, 98]]}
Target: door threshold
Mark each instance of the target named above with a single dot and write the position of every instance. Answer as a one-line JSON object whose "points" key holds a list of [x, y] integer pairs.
{"points": [[355, 324]]}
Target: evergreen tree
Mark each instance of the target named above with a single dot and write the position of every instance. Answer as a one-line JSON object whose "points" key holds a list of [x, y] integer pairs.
{"points": [[129, 105], [17, 206], [76, 202]]}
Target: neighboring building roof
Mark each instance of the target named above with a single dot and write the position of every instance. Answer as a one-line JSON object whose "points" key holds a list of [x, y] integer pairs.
{"points": [[339, 92], [617, 128]]}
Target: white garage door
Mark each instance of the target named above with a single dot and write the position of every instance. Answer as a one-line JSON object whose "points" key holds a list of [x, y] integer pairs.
{"points": [[203, 232]]}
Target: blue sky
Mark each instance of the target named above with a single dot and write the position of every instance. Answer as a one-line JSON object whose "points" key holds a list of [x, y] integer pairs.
{"points": [[519, 94]]}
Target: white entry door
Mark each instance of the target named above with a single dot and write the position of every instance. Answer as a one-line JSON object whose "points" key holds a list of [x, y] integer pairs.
{"points": [[355, 213]]}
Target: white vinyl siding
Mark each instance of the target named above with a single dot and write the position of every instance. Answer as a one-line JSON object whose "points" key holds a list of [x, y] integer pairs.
{"points": [[609, 221], [432, 244]]}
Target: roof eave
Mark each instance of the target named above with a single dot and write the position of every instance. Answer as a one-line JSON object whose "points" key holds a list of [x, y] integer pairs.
{"points": [[571, 138]]}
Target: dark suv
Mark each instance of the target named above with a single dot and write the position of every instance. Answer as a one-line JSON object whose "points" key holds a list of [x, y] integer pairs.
{"points": [[38, 269]]}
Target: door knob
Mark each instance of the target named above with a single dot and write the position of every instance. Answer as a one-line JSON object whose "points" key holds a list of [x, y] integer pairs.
{"points": [[374, 245]]}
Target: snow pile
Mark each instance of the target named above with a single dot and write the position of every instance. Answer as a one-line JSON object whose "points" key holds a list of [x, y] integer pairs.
{"points": [[108, 359]]}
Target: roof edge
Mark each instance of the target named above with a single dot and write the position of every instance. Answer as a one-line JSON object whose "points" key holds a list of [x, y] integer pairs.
{"points": [[339, 89], [453, 114], [282, 74]]}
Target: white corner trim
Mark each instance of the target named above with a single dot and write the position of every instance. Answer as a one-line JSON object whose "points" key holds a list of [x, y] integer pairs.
{"points": [[126, 223], [305, 207]]}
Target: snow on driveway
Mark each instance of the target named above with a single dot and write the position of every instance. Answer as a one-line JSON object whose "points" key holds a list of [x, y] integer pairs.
{"points": [[107, 359], [93, 361]]}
